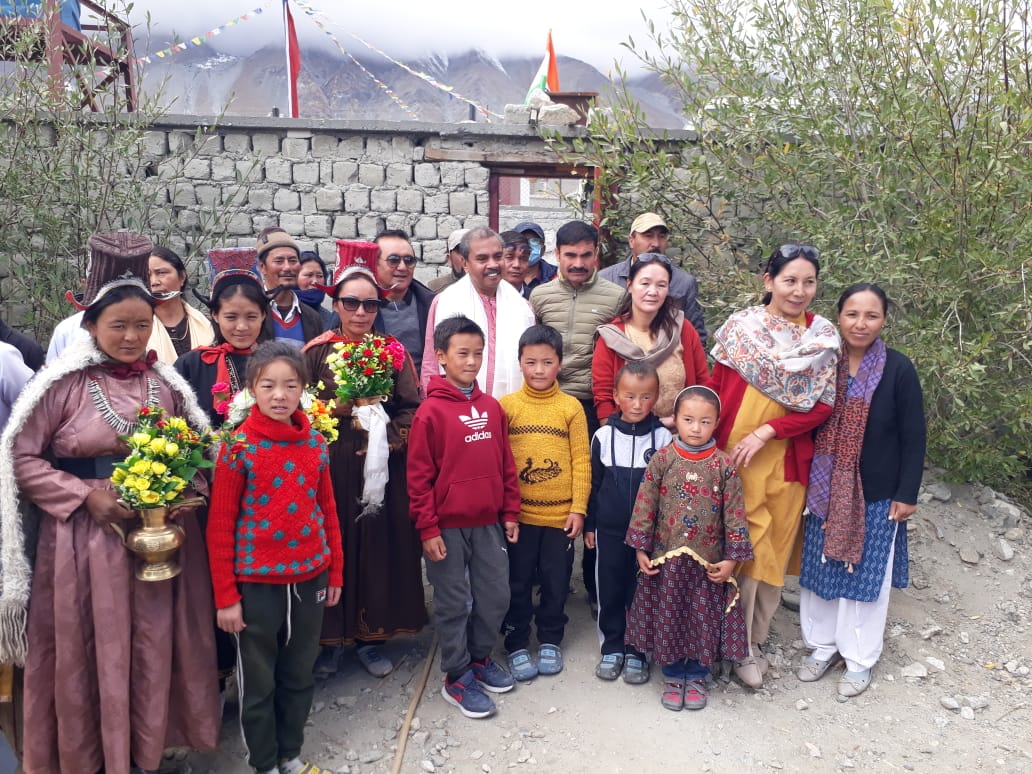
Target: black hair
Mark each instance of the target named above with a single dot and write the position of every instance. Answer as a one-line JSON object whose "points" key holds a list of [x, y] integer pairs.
{"points": [[250, 291], [308, 256], [395, 233], [636, 368], [351, 278], [783, 256], [454, 326], [700, 392], [172, 257], [862, 287], [513, 237], [664, 319], [268, 353], [575, 232], [480, 232], [114, 296], [541, 334]]}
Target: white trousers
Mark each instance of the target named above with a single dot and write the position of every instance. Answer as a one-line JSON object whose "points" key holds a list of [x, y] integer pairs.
{"points": [[855, 629]]}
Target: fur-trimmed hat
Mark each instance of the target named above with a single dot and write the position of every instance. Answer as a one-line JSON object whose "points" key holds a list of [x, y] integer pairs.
{"points": [[116, 259], [273, 239]]}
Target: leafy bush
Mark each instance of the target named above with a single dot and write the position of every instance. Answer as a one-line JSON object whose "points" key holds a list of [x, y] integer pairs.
{"points": [[895, 137]]}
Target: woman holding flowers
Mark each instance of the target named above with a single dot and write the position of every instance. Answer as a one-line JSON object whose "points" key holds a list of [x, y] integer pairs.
{"points": [[116, 669], [383, 583]]}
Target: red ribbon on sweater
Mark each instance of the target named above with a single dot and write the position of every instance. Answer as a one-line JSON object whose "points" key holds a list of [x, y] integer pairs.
{"points": [[217, 354], [127, 370]]}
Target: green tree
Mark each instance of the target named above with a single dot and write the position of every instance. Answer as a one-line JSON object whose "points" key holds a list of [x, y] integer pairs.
{"points": [[893, 135]]}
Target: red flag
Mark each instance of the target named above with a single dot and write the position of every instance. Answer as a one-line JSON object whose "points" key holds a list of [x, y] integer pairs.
{"points": [[293, 59]]}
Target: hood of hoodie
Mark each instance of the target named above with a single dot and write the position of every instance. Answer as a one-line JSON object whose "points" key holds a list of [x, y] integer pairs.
{"points": [[645, 427], [439, 387]]}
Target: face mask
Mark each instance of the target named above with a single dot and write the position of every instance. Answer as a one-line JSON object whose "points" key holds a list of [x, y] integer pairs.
{"points": [[312, 296], [535, 251]]}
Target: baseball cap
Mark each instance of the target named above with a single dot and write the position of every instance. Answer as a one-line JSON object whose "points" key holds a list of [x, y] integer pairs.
{"points": [[647, 220], [529, 225], [455, 237]]}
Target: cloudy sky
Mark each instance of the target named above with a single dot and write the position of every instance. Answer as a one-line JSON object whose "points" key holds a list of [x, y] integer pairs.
{"points": [[592, 32]]}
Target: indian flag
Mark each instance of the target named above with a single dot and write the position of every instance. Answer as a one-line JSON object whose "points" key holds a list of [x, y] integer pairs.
{"points": [[547, 77]]}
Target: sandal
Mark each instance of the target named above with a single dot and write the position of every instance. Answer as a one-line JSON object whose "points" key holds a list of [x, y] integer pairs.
{"points": [[673, 695], [813, 669], [635, 671], [694, 695], [854, 683], [550, 659], [522, 666]]}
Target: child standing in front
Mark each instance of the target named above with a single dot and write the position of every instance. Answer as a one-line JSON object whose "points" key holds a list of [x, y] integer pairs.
{"points": [[276, 560], [689, 532], [620, 451], [465, 502], [548, 433]]}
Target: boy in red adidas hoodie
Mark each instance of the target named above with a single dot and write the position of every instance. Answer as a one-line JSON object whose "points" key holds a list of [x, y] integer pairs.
{"points": [[465, 502]]}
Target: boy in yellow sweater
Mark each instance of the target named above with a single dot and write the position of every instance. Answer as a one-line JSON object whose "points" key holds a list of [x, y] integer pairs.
{"points": [[548, 433]]}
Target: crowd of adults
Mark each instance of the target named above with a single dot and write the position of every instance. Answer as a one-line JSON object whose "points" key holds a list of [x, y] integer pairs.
{"points": [[805, 414]]}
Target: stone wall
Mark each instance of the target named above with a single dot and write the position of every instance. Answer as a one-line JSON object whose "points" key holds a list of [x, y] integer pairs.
{"points": [[322, 181]]}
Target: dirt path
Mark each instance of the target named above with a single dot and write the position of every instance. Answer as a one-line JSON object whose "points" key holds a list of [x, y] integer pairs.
{"points": [[962, 628]]}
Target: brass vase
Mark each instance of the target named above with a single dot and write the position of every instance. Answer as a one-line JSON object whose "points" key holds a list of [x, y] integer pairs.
{"points": [[157, 540]]}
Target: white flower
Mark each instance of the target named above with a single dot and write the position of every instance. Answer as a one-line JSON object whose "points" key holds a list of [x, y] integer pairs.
{"points": [[240, 407]]}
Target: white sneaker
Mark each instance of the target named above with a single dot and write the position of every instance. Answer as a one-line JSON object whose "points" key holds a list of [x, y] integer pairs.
{"points": [[375, 663]]}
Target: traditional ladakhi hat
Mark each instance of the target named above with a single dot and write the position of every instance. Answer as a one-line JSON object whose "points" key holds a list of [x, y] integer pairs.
{"points": [[356, 253], [117, 259], [222, 259], [341, 273], [226, 278]]}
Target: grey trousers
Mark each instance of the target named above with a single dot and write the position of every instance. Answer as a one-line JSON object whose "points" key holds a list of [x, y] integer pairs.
{"points": [[476, 566]]}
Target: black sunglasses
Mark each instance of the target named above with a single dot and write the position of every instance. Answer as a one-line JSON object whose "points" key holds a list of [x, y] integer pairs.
{"points": [[648, 257], [351, 304], [794, 251], [394, 260]]}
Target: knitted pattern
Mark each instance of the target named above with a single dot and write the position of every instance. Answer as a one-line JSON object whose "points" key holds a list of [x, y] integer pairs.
{"points": [[548, 433], [267, 522]]}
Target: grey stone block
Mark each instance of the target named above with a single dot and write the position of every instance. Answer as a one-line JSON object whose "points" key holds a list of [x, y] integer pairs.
{"points": [[435, 251], [382, 200], [369, 226], [399, 175], [183, 195], [351, 148], [477, 177], [425, 228], [278, 170], [447, 224], [155, 143], [170, 169], [236, 143], [265, 142], [436, 204], [160, 219], [223, 168], [250, 170], [180, 142], [483, 202], [401, 148], [307, 174], [198, 169], [462, 203], [240, 224], [427, 175], [208, 195], [295, 148], [189, 219], [410, 200], [344, 172], [293, 223], [234, 195], [260, 221], [378, 149], [557, 115], [517, 114], [345, 227], [418, 153], [317, 226], [324, 145], [260, 198], [453, 173], [308, 204], [286, 200], [325, 172], [329, 199], [370, 174], [210, 145], [397, 220], [356, 200], [475, 221]]}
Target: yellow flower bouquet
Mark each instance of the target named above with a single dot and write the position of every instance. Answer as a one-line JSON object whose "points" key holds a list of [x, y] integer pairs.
{"points": [[165, 454]]}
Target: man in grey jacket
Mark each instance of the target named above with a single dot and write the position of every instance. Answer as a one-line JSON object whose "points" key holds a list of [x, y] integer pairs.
{"points": [[650, 234]]}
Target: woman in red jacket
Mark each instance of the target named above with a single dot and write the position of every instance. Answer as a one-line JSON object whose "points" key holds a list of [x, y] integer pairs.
{"points": [[775, 375], [648, 327]]}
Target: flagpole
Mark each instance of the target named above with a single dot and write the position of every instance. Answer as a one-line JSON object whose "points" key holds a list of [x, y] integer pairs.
{"points": [[286, 52]]}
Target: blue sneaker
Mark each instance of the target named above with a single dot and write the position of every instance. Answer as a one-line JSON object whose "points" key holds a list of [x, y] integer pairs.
{"points": [[522, 665], [491, 676], [465, 693]]}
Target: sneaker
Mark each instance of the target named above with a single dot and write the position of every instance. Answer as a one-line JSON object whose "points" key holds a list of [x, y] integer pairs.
{"points": [[694, 695], [328, 662], [465, 693], [375, 663], [610, 667], [298, 766], [550, 659], [673, 695], [491, 676], [522, 665], [636, 670]]}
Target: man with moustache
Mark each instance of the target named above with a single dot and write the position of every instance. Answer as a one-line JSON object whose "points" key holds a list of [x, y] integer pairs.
{"points": [[406, 302], [494, 305], [649, 234], [279, 262]]}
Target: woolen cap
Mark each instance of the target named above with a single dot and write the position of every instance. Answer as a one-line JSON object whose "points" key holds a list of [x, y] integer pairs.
{"points": [[274, 239], [648, 220]]}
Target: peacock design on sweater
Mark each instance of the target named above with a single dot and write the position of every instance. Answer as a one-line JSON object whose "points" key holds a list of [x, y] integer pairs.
{"points": [[532, 475]]}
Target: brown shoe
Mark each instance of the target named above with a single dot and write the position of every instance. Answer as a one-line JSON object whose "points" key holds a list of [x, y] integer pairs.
{"points": [[748, 671]]}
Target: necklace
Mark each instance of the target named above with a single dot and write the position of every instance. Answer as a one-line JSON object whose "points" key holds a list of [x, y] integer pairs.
{"points": [[179, 331], [118, 423], [234, 377]]}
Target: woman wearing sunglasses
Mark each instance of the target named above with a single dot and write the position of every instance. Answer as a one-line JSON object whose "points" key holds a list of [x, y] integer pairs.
{"points": [[651, 328], [775, 374], [383, 577]]}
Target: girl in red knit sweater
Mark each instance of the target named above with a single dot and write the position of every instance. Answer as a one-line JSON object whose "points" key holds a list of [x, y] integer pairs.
{"points": [[275, 556]]}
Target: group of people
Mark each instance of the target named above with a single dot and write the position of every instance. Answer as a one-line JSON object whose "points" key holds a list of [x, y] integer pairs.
{"points": [[530, 411]]}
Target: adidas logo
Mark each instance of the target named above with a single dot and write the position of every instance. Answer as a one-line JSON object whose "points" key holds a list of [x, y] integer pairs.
{"points": [[475, 421]]}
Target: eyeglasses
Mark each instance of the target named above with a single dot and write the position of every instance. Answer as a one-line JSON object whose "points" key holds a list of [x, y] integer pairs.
{"points": [[794, 251], [394, 260], [648, 257], [351, 304]]}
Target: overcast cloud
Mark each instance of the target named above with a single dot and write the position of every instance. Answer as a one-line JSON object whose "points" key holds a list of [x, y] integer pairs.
{"points": [[589, 31]]}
